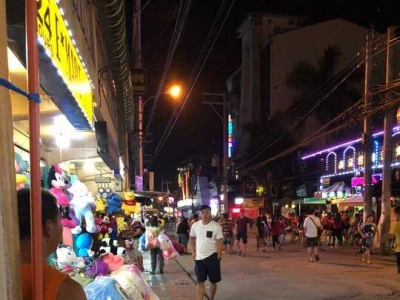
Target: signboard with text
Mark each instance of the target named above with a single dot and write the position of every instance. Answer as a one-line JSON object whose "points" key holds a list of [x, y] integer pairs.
{"points": [[139, 81], [55, 37], [253, 202]]}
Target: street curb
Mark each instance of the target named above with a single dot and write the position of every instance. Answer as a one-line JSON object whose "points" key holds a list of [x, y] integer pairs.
{"points": [[191, 277]]}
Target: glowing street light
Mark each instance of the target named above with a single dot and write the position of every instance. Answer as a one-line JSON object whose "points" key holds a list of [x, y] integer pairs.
{"points": [[175, 91]]}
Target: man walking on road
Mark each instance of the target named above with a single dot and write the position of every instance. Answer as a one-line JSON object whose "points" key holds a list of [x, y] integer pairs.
{"points": [[312, 225], [241, 231], [206, 241]]}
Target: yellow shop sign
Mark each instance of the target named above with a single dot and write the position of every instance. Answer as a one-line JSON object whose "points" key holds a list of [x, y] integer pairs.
{"points": [[55, 37]]}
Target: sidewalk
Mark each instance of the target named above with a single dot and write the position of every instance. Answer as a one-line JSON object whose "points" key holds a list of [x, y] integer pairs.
{"points": [[174, 284]]}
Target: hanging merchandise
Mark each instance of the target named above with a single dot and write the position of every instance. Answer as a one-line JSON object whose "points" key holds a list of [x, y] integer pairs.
{"points": [[105, 288], [103, 221], [84, 243], [67, 261], [130, 205], [121, 224], [111, 246], [142, 244], [114, 203], [151, 238], [131, 280], [60, 185], [100, 203], [83, 204], [22, 177], [168, 250]]}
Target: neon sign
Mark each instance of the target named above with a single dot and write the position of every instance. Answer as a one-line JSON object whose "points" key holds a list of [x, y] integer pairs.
{"points": [[230, 136]]}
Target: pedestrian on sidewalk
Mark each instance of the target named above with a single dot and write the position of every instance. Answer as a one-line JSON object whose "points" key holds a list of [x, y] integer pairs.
{"points": [[396, 232], [206, 241], [182, 232], [156, 253], [227, 232], [242, 223], [367, 231], [278, 231], [261, 232], [312, 228]]}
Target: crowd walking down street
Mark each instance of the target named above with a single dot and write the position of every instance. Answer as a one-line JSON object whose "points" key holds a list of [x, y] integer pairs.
{"points": [[338, 273]]}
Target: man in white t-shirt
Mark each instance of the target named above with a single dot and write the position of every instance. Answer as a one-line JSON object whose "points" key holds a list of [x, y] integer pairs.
{"points": [[311, 225], [206, 241]]}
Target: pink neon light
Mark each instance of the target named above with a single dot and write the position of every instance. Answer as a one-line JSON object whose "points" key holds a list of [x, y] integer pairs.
{"points": [[349, 143], [355, 181]]}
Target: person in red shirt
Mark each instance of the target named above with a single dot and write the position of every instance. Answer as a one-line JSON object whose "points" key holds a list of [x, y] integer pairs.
{"points": [[278, 229], [326, 225]]}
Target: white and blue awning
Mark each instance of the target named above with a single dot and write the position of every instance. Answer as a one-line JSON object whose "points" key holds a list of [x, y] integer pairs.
{"points": [[337, 190]]}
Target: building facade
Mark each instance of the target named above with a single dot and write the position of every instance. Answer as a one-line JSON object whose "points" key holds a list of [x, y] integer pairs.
{"points": [[271, 47]]}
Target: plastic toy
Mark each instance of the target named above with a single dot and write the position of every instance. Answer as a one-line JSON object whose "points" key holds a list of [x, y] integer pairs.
{"points": [[84, 205], [168, 250], [84, 242], [60, 184], [131, 280], [105, 288]]}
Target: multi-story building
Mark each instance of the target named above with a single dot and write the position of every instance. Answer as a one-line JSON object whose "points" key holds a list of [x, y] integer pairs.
{"points": [[272, 45]]}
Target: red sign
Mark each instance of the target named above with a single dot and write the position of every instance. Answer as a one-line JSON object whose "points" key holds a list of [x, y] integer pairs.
{"points": [[251, 212]]}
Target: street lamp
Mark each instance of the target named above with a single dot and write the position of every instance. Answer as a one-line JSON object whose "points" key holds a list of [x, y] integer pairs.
{"points": [[175, 92]]}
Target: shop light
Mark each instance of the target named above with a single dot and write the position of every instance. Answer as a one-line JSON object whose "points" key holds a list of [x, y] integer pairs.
{"points": [[349, 143], [89, 166], [62, 141], [293, 206], [62, 131], [14, 65], [352, 160], [398, 151], [239, 201], [335, 161]]}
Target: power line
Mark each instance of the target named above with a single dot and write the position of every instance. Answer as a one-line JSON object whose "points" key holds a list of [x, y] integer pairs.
{"points": [[176, 36], [203, 56], [296, 109], [300, 113], [315, 136], [279, 135]]}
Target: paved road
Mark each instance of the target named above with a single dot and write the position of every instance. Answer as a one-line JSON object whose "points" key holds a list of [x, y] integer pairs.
{"points": [[288, 275]]}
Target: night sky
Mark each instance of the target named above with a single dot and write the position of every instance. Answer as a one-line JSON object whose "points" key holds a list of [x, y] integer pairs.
{"points": [[198, 130]]}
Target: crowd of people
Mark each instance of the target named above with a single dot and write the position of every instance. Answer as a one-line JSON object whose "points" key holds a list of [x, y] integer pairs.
{"points": [[208, 240]]}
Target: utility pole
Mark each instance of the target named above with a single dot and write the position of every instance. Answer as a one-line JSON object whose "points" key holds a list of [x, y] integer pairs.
{"points": [[9, 238], [137, 47], [367, 137], [167, 183], [225, 152], [224, 119], [384, 221]]}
